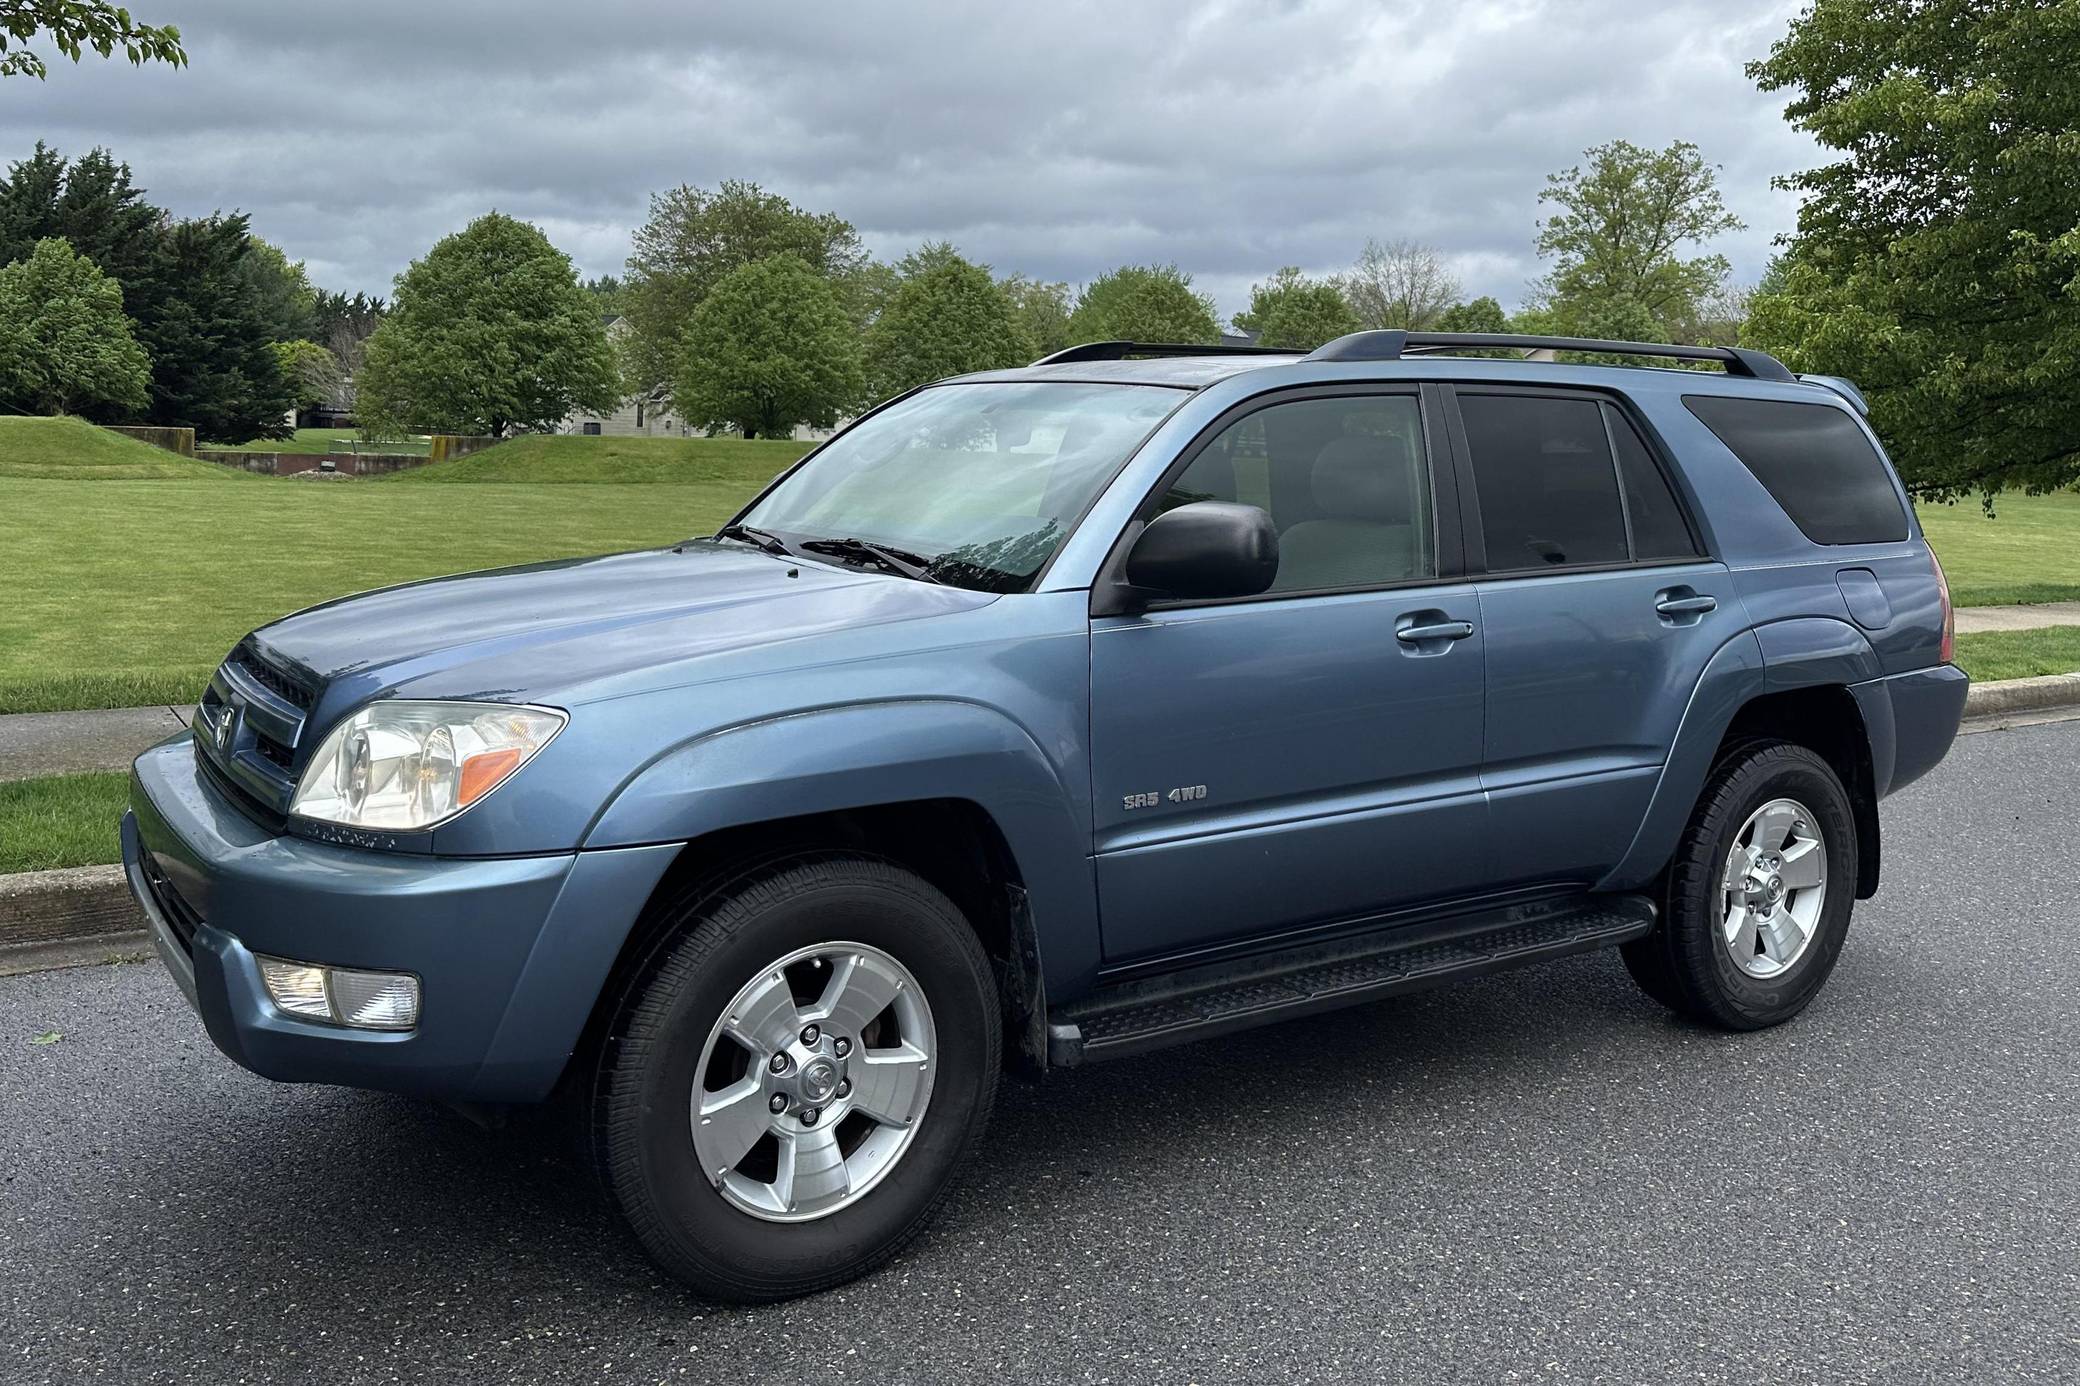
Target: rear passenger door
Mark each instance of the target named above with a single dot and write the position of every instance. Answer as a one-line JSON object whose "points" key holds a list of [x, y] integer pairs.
{"points": [[1600, 610]]}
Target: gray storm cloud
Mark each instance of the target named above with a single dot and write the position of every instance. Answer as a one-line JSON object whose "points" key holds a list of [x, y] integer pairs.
{"points": [[1059, 140]]}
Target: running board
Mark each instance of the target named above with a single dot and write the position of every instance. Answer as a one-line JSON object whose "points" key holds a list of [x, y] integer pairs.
{"points": [[1133, 1017]]}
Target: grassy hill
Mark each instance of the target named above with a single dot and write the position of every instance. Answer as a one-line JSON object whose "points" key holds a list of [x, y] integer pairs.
{"points": [[69, 450]]}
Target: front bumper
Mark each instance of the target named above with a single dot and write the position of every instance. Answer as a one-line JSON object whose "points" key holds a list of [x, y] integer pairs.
{"points": [[511, 952]]}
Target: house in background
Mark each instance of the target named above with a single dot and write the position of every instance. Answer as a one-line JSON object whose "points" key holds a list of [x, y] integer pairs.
{"points": [[648, 415]]}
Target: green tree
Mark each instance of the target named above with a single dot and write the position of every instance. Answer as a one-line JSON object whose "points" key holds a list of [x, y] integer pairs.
{"points": [[1615, 237], [201, 321], [1042, 311], [947, 318], [694, 237], [64, 341], [91, 203], [313, 372], [1143, 303], [74, 26], [1400, 283], [1291, 310], [282, 291], [1481, 314], [490, 333], [1937, 258], [771, 346]]}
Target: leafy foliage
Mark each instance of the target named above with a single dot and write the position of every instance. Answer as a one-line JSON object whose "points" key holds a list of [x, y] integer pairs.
{"points": [[1937, 259], [312, 372], [75, 26], [771, 346], [1042, 311], [64, 342], [1614, 239], [694, 237], [947, 318], [1292, 310], [1400, 283], [1482, 314], [282, 291], [200, 318], [490, 333], [1143, 303]]}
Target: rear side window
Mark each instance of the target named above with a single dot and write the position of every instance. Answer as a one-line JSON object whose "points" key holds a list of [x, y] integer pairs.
{"points": [[1814, 461], [1542, 471]]}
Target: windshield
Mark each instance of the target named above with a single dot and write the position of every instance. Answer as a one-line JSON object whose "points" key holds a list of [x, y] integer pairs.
{"points": [[978, 483]]}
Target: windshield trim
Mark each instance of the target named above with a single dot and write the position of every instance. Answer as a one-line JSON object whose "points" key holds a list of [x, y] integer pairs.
{"points": [[1070, 525]]}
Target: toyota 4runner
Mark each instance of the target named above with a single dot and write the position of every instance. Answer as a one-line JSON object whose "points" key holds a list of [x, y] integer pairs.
{"points": [[1050, 715]]}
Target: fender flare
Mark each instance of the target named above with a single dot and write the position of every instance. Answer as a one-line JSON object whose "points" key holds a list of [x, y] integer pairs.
{"points": [[1777, 657], [863, 755]]}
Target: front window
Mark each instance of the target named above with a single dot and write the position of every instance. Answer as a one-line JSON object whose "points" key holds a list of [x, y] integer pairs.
{"points": [[977, 484]]}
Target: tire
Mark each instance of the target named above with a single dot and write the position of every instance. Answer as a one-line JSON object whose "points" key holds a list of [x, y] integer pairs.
{"points": [[1746, 942], [697, 1033]]}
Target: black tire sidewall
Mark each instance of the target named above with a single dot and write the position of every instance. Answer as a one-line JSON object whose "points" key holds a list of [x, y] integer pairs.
{"points": [[682, 1217], [1714, 985]]}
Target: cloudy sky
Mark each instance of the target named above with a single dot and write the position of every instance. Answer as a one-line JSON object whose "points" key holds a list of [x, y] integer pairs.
{"points": [[1059, 139]]}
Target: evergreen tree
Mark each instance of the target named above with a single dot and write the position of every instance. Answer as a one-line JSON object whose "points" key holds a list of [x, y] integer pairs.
{"points": [[213, 363]]}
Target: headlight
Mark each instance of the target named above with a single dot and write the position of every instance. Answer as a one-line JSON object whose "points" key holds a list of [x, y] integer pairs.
{"points": [[407, 766]]}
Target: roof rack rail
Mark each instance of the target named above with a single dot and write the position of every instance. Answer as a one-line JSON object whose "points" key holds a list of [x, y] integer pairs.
{"points": [[1391, 344], [1121, 351]]}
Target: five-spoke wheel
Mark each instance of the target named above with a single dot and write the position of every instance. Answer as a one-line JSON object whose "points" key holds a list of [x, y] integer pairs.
{"points": [[813, 1080]]}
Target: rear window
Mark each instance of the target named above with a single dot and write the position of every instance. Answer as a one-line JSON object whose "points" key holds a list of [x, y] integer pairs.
{"points": [[1815, 461]]}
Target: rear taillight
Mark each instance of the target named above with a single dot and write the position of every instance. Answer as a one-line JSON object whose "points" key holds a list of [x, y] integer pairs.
{"points": [[1948, 650]]}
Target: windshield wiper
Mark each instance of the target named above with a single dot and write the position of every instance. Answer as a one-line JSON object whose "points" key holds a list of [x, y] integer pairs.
{"points": [[908, 565], [757, 538]]}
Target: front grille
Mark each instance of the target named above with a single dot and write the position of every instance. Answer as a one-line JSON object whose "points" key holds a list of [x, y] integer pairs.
{"points": [[275, 680], [180, 915], [274, 752]]}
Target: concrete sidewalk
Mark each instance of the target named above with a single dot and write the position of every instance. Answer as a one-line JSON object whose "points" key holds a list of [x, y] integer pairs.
{"points": [[63, 743], [1974, 620]]}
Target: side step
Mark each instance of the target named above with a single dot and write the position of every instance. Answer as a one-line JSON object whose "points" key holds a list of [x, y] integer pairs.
{"points": [[1133, 1017]]}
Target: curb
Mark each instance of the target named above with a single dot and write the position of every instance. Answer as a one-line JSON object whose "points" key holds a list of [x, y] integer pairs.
{"points": [[85, 914], [43, 913], [2022, 695]]}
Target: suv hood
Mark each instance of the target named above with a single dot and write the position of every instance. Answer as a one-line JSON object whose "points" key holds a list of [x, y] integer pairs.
{"points": [[547, 629]]}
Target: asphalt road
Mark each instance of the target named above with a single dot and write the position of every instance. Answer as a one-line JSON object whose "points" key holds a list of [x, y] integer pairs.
{"points": [[1539, 1177]]}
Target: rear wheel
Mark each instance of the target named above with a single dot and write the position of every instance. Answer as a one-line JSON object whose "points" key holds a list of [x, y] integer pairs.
{"points": [[787, 1095], [1757, 898]]}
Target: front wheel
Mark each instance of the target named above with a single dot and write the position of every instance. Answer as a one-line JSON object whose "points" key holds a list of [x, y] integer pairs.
{"points": [[788, 1094], [1758, 894]]}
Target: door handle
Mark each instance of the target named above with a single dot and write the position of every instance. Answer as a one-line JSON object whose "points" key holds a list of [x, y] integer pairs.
{"points": [[1686, 606], [1439, 630]]}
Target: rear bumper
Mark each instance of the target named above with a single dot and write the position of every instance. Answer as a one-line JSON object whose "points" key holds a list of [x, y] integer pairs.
{"points": [[1910, 719], [510, 952]]}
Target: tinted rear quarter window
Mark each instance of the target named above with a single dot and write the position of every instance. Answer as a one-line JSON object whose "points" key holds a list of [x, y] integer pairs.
{"points": [[1815, 461], [1659, 531]]}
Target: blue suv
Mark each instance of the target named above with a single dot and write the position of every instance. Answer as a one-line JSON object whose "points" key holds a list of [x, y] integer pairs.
{"points": [[1052, 715]]}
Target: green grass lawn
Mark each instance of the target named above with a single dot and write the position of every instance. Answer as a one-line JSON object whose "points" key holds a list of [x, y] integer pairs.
{"points": [[61, 820], [2019, 654], [125, 592], [2030, 551], [328, 440]]}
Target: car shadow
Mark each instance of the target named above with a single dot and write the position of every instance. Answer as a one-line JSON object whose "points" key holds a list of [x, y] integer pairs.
{"points": [[307, 1199]]}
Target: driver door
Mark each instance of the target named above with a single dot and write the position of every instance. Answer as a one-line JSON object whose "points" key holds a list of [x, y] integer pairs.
{"points": [[1311, 755]]}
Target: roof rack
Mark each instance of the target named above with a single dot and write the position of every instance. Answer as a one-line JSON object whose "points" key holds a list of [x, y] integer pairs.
{"points": [[1121, 351], [1392, 344]]}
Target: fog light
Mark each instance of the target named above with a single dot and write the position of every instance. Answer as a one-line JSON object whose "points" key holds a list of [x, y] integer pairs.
{"points": [[343, 996]]}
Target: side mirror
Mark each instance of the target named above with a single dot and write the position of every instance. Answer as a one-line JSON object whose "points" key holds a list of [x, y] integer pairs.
{"points": [[1206, 549]]}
